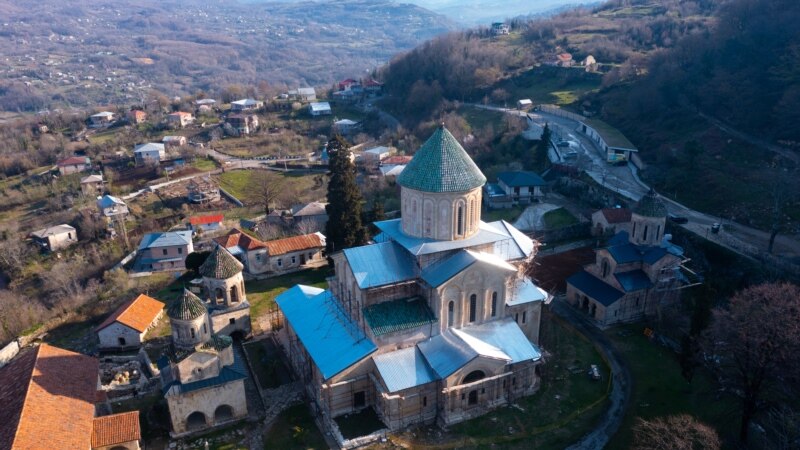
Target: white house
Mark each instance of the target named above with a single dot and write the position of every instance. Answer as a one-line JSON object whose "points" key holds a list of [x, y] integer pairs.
{"points": [[319, 108], [524, 104], [92, 185], [111, 206], [375, 155], [128, 325], [307, 94], [247, 104], [101, 119], [345, 126], [521, 186], [173, 141], [55, 237], [149, 153]]}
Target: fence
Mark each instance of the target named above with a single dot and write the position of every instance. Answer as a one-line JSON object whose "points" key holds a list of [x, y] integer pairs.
{"points": [[556, 111]]}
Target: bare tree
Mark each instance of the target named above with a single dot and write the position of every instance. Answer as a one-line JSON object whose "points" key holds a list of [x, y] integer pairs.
{"points": [[681, 432], [267, 187], [755, 341], [783, 192]]}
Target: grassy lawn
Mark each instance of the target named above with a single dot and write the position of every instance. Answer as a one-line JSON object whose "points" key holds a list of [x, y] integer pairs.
{"points": [[361, 423], [552, 85], [558, 218], [294, 429], [261, 293], [659, 389], [479, 118], [507, 214], [307, 187], [567, 405], [204, 164]]}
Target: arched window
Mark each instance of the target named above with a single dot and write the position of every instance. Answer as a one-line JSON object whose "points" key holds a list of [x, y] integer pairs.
{"points": [[192, 332], [658, 231], [604, 266], [450, 311], [219, 295], [473, 306], [494, 304], [205, 329], [474, 376], [633, 233], [460, 220], [644, 235], [234, 294]]}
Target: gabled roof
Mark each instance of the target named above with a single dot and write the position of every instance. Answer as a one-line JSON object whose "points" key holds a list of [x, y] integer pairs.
{"points": [[306, 91], [165, 239], [610, 135], [53, 231], [73, 161], [239, 238], [398, 315], [245, 102], [116, 429], [380, 150], [634, 280], [108, 201], [138, 313], [442, 271], [187, 307], [137, 113], [441, 165], [205, 220], [446, 353], [650, 205], [220, 264], [295, 244], [205, 101], [320, 106], [403, 369], [180, 114], [380, 264], [616, 215], [525, 291], [92, 179], [487, 234], [628, 253], [332, 340], [48, 396], [595, 288], [521, 178], [500, 338], [149, 147], [309, 209], [103, 114]]}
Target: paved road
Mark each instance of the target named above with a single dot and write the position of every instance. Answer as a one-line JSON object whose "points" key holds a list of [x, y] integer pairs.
{"points": [[621, 383]]}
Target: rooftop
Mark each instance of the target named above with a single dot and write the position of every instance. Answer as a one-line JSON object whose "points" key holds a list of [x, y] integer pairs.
{"points": [[108, 201], [165, 239], [612, 137], [320, 106], [634, 280], [380, 264], [520, 178], [616, 215], [595, 287], [92, 179], [403, 369], [149, 147], [440, 272], [205, 220], [53, 231], [238, 238], [650, 205], [116, 429], [220, 264], [309, 209], [138, 313], [73, 160], [441, 165], [525, 291], [398, 315], [295, 244], [187, 307]]}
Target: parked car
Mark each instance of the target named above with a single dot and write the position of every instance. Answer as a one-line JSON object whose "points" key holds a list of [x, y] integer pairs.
{"points": [[674, 218], [594, 372]]}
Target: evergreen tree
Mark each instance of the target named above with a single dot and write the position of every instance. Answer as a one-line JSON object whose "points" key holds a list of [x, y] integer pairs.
{"points": [[540, 159], [377, 214], [345, 228]]}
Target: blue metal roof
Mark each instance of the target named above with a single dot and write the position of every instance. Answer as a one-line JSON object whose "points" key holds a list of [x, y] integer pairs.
{"points": [[634, 280], [520, 246], [489, 233], [525, 291], [404, 369], [502, 335], [233, 372], [520, 178], [165, 239], [438, 273], [493, 190], [623, 251], [108, 201], [380, 264], [446, 353], [595, 288], [333, 341]]}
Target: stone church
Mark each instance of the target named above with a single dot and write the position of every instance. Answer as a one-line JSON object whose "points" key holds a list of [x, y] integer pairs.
{"points": [[637, 273], [202, 376], [435, 321]]}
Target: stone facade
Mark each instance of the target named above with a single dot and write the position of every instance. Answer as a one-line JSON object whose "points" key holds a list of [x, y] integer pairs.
{"points": [[444, 216], [205, 408]]}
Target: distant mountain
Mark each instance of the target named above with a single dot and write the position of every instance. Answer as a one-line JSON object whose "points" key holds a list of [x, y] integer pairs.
{"points": [[83, 53]]}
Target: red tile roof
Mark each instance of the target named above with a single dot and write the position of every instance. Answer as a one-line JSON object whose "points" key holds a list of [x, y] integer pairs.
{"points": [[48, 397], [116, 429], [73, 160], [137, 113], [565, 57], [397, 159], [238, 237], [138, 313], [180, 114], [205, 220], [616, 215], [294, 244]]}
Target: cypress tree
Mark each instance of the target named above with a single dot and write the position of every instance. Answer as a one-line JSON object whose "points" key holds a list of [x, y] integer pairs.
{"points": [[540, 159], [345, 228]]}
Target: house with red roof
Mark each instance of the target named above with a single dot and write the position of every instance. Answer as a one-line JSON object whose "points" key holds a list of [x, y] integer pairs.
{"points": [[126, 327], [73, 164], [278, 256], [610, 221], [180, 119], [48, 396], [206, 223]]}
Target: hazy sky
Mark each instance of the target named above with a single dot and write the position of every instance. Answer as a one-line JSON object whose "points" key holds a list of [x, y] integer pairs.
{"points": [[477, 12]]}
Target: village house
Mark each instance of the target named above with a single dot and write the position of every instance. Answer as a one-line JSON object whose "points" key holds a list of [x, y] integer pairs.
{"points": [[202, 190], [163, 251], [277, 256], [635, 275], [319, 109], [247, 104], [348, 84], [612, 142], [372, 87], [56, 237], [250, 251], [92, 185], [435, 322], [180, 119], [171, 142], [207, 102], [610, 221], [126, 327], [202, 377], [137, 116], [49, 395], [372, 157], [206, 223], [73, 164], [243, 124], [589, 63], [345, 126], [523, 187], [149, 153], [306, 94], [112, 207], [309, 217], [500, 28], [494, 197], [564, 59], [524, 104], [101, 119]]}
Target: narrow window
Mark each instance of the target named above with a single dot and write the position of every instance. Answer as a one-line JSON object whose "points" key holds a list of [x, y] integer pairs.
{"points": [[294, 259], [280, 262], [191, 330], [450, 308], [494, 304], [516, 317], [233, 321], [359, 399], [644, 235], [164, 251], [205, 329], [460, 216], [424, 401], [523, 316], [180, 251], [473, 306], [658, 231]]}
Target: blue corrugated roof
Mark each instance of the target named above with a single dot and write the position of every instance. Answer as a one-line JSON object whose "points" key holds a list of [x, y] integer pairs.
{"points": [[634, 280], [403, 369], [503, 335], [525, 291], [380, 264], [437, 274], [489, 233], [521, 246], [332, 340], [595, 287], [446, 353], [493, 190], [165, 239], [520, 178], [108, 201], [623, 251]]}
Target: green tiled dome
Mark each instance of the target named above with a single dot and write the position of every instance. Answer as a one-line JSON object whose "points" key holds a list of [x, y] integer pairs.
{"points": [[220, 264], [441, 165], [651, 206], [188, 307]]}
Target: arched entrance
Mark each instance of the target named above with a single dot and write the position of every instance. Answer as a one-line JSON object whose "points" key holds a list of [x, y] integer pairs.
{"points": [[234, 294], [223, 413], [474, 376], [196, 421]]}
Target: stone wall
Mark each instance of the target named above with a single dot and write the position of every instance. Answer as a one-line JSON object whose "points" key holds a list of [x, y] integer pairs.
{"points": [[110, 336], [206, 401]]}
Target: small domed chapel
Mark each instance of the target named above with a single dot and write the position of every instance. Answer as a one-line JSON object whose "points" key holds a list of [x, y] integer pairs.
{"points": [[435, 321]]}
